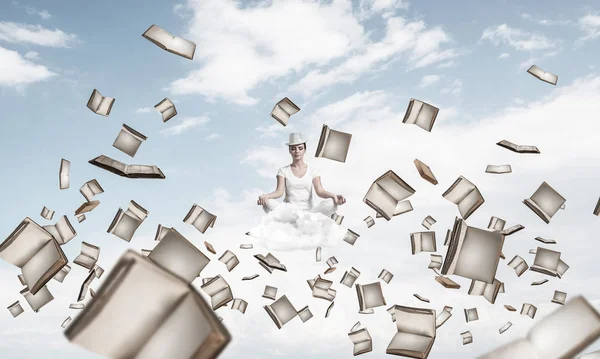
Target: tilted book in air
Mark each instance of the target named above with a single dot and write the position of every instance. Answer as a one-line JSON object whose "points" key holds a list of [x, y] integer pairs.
{"points": [[283, 110], [167, 109], [543, 75], [333, 144], [421, 114], [386, 192], [173, 44], [123, 170], [99, 104], [416, 332]]}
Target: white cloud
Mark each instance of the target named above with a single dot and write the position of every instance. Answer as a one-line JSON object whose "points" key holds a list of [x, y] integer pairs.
{"points": [[454, 88], [187, 123], [428, 80], [17, 72], [32, 55], [212, 136], [536, 60], [144, 110], [503, 55], [44, 14], [545, 22], [13, 32], [516, 38], [518, 101], [590, 26], [369, 8]]}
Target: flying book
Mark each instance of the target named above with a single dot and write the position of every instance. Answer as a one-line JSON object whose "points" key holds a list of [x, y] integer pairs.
{"points": [[173, 44], [422, 242], [318, 254], [337, 218], [350, 277], [129, 171], [333, 144], [505, 327], [90, 189], [543, 75], [467, 337], [127, 222], [471, 314], [421, 114], [518, 264], [597, 208], [88, 257], [498, 169], [548, 262], [210, 248], [559, 297], [487, 290], [386, 192], [47, 213], [361, 339], [239, 304], [270, 262], [545, 241], [540, 282], [283, 110], [473, 253], [464, 194], [329, 309], [436, 261], [545, 202], [270, 292], [38, 300], [34, 250], [529, 310], [219, 291], [86, 207], [447, 282], [177, 255], [421, 298], [385, 276], [350, 237], [167, 109], [143, 311], [200, 218], [62, 273], [86, 285], [230, 260], [416, 332], [518, 148], [369, 221], [63, 174], [15, 309], [425, 172], [305, 314], [99, 104], [129, 140], [428, 222], [369, 295], [443, 316], [281, 311], [62, 231]]}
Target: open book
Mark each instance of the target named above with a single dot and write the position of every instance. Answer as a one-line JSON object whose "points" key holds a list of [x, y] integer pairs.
{"points": [[270, 292], [63, 174], [47, 213], [559, 297], [34, 250], [548, 262], [333, 144], [518, 264], [62, 231], [421, 114], [422, 242], [518, 148], [416, 332], [562, 334], [401, 208], [230, 260], [62, 273], [129, 140], [281, 311], [283, 110], [200, 218], [167, 109], [545, 202], [123, 170], [178, 255], [498, 169], [350, 237], [322, 289], [15, 309], [99, 104], [361, 339], [218, 290], [90, 189], [86, 207], [386, 192], [38, 300], [173, 44], [271, 262], [473, 253], [350, 277], [385, 276], [369, 296], [305, 314], [145, 312], [543, 75], [127, 222], [464, 194], [425, 172], [88, 257], [488, 290]]}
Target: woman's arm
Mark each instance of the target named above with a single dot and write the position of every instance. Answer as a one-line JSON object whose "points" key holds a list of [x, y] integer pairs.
{"points": [[279, 191], [320, 191]]}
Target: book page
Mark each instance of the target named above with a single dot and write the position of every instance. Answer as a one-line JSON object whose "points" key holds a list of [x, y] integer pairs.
{"points": [[426, 117], [412, 113], [479, 255], [378, 196], [460, 189], [336, 146], [43, 266], [27, 239]]}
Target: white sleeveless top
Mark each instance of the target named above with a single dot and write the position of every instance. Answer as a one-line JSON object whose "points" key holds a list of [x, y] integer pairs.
{"points": [[298, 190]]}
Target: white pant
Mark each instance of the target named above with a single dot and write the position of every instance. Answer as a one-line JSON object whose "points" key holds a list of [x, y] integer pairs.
{"points": [[326, 206]]}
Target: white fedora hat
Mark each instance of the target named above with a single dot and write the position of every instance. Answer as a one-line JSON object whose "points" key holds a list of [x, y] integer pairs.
{"points": [[295, 139]]}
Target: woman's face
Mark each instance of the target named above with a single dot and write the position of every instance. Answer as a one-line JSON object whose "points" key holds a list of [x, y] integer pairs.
{"points": [[297, 151]]}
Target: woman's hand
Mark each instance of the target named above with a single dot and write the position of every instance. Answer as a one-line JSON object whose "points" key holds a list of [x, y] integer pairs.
{"points": [[262, 199], [339, 199]]}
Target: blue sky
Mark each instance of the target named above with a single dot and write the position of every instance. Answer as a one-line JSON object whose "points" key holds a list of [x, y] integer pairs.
{"points": [[352, 65]]}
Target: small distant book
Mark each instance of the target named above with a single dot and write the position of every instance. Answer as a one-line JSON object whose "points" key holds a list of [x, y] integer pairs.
{"points": [[47, 213], [62, 231], [129, 140], [416, 332], [38, 300], [447, 282], [34, 250], [159, 309], [305, 314], [90, 189], [239, 304], [496, 224], [318, 254], [436, 261], [518, 148], [62, 273], [88, 257], [322, 289], [443, 316], [333, 144], [63, 174], [421, 298], [99, 104], [337, 218], [385, 276], [219, 291], [562, 334], [369, 221], [86, 207], [518, 264], [271, 262], [127, 222], [362, 341], [421, 114], [467, 337], [545, 202], [230, 260], [270, 292], [281, 311], [543, 75], [200, 218], [177, 255], [548, 262], [487, 290], [473, 253], [283, 110], [529, 310], [428, 222], [210, 248], [369, 295], [464, 194], [422, 242], [129, 171], [15, 309], [471, 314], [167, 109], [425, 172], [597, 208], [559, 297], [350, 277], [505, 327], [498, 169], [173, 44], [386, 192]]}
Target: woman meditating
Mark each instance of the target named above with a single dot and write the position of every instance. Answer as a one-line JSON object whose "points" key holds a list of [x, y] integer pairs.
{"points": [[297, 181]]}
